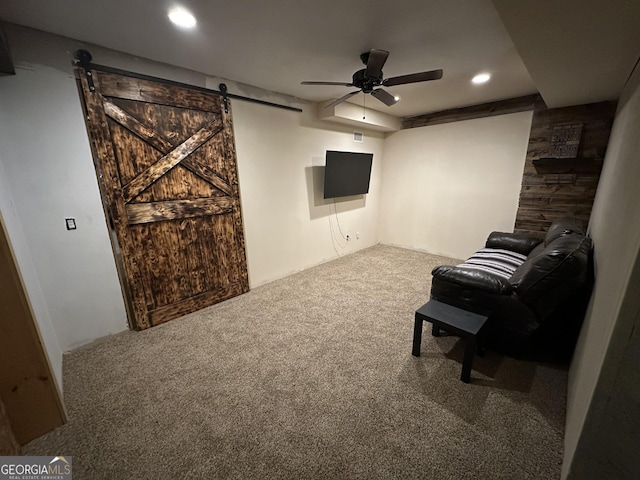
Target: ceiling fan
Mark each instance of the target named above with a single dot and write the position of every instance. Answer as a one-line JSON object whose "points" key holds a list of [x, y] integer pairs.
{"points": [[369, 79]]}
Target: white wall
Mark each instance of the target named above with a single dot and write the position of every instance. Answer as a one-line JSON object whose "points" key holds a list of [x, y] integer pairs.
{"points": [[281, 156], [594, 378], [49, 166], [446, 187], [9, 216], [47, 175]]}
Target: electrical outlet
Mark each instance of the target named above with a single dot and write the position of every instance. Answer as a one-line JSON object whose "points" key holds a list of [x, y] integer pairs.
{"points": [[357, 235], [348, 237], [71, 223]]}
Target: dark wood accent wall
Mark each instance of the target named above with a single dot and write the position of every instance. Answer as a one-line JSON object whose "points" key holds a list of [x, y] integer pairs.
{"points": [[553, 188]]}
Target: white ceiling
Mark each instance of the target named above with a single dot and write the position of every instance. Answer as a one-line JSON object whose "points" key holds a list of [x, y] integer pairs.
{"points": [[576, 51], [277, 44]]}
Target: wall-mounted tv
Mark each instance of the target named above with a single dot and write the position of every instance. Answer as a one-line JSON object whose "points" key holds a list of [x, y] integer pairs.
{"points": [[347, 173]]}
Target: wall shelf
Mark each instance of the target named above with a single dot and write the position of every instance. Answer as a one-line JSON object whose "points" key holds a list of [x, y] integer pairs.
{"points": [[568, 165]]}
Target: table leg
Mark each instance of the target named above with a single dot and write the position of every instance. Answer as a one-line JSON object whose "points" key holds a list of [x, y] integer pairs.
{"points": [[480, 343], [417, 336], [469, 351], [435, 329]]}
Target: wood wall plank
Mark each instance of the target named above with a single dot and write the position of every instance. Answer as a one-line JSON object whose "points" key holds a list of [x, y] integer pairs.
{"points": [[555, 188]]}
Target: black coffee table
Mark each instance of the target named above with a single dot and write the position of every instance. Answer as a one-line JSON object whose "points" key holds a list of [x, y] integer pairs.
{"points": [[465, 324]]}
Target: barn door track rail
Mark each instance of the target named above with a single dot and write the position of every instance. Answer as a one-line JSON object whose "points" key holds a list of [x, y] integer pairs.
{"points": [[83, 60]]}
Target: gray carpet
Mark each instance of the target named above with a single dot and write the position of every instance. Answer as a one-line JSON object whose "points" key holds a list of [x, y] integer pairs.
{"points": [[309, 377]]}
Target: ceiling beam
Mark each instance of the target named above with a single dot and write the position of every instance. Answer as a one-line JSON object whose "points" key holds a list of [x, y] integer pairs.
{"points": [[501, 107]]}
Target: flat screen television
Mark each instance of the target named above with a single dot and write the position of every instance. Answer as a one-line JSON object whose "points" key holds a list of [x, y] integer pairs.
{"points": [[347, 173]]}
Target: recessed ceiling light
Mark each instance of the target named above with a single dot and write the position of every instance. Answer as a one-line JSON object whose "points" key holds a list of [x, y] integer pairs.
{"points": [[397, 98], [182, 18], [481, 78]]}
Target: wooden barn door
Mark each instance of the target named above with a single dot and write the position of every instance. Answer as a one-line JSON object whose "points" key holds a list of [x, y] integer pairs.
{"points": [[166, 164]]}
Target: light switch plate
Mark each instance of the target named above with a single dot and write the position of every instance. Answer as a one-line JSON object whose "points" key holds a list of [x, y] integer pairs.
{"points": [[71, 223]]}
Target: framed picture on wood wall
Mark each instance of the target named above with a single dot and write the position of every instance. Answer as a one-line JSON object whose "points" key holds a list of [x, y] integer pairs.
{"points": [[565, 140]]}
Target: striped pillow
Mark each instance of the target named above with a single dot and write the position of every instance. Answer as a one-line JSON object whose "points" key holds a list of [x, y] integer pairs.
{"points": [[495, 260]]}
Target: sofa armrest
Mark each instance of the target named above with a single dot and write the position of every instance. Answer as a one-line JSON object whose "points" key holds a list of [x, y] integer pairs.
{"points": [[512, 241], [472, 278]]}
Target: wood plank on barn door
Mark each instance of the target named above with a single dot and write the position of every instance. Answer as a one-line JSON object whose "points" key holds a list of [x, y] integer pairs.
{"points": [[165, 158]]}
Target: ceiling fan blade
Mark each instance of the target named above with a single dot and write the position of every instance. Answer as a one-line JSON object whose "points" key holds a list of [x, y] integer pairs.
{"points": [[375, 62], [342, 84], [342, 99], [413, 78], [385, 97]]}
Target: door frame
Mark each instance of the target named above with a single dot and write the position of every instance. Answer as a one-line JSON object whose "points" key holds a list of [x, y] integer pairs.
{"points": [[28, 387]]}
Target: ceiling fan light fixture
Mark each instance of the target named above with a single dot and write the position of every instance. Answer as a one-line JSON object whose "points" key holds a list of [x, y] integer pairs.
{"points": [[182, 18], [481, 78], [369, 80]]}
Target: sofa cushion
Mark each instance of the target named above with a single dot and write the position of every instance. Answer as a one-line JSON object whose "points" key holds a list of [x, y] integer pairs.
{"points": [[564, 226], [516, 242], [496, 261], [557, 268], [469, 279]]}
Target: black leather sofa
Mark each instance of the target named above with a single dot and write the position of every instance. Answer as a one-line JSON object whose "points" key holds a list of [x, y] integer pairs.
{"points": [[528, 287]]}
